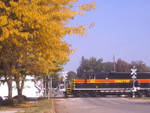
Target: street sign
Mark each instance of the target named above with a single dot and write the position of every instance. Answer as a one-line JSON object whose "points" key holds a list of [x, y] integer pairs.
{"points": [[65, 75], [133, 71]]}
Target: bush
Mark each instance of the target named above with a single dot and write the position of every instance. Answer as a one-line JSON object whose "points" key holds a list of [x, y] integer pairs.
{"points": [[1, 101], [21, 100], [14, 102], [10, 102], [22, 96], [41, 98]]}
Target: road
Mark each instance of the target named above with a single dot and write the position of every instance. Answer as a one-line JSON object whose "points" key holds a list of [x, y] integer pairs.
{"points": [[101, 105], [58, 94]]}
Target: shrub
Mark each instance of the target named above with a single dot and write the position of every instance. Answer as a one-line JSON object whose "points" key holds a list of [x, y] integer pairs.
{"points": [[10, 102], [22, 96], [41, 98], [14, 102], [21, 100], [1, 101]]}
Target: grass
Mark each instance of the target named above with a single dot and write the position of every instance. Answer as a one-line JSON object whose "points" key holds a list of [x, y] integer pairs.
{"points": [[42, 106]]}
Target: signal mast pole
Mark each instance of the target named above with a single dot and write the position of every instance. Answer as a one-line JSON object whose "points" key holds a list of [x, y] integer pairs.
{"points": [[133, 73]]}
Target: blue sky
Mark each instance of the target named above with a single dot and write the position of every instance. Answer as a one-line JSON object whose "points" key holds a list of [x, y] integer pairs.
{"points": [[122, 28]]}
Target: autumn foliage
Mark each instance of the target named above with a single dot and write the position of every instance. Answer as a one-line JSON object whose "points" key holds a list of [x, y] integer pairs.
{"points": [[32, 32]]}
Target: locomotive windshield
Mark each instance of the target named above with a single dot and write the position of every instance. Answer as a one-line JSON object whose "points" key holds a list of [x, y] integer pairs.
{"points": [[92, 77]]}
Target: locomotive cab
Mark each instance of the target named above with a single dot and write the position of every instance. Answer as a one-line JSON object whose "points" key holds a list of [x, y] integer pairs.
{"points": [[92, 77]]}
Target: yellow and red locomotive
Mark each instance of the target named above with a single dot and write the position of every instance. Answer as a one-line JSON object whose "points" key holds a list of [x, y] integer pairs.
{"points": [[109, 83]]}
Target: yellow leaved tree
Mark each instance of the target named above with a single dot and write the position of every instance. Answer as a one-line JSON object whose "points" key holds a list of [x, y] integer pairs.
{"points": [[31, 37]]}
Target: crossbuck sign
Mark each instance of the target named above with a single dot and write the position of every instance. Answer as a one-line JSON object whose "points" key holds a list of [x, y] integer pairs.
{"points": [[133, 72], [65, 75]]}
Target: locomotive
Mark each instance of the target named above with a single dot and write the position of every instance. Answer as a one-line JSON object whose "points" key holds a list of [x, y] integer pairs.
{"points": [[109, 83]]}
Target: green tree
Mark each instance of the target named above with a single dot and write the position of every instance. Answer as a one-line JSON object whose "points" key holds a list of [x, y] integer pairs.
{"points": [[96, 65], [84, 66], [91, 64], [71, 75], [108, 66], [140, 66]]}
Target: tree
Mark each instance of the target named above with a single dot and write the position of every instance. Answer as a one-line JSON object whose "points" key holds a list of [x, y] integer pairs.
{"points": [[84, 66], [88, 65], [55, 79], [148, 68], [100, 66], [140, 66], [96, 65], [122, 66], [31, 37], [71, 75], [108, 66]]}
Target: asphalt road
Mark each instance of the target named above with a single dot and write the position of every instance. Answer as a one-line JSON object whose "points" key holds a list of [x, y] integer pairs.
{"points": [[58, 94], [101, 105]]}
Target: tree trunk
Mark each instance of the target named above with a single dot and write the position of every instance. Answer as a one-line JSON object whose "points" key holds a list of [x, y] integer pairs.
{"points": [[9, 82], [20, 85], [19, 92], [18, 89]]}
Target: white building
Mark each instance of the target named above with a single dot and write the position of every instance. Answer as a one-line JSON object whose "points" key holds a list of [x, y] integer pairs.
{"points": [[31, 88]]}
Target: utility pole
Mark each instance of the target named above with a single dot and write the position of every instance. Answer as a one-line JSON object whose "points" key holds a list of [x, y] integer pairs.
{"points": [[65, 75], [48, 87], [51, 86], [49, 95]]}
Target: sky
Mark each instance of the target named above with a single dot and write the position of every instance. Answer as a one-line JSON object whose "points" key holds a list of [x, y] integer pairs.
{"points": [[122, 29]]}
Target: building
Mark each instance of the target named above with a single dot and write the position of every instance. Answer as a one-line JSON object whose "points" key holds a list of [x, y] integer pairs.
{"points": [[32, 88]]}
